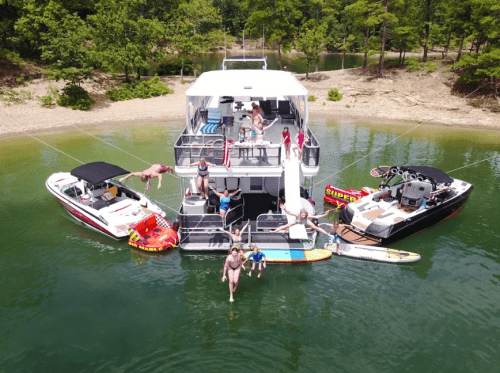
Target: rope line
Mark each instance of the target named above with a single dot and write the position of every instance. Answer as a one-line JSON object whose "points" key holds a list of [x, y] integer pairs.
{"points": [[470, 164], [53, 147], [376, 150], [116, 147]]}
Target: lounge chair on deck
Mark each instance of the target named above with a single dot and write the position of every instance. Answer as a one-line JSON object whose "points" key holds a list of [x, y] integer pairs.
{"points": [[213, 121]]}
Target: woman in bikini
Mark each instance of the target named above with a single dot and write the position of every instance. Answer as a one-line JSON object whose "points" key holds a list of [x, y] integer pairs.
{"points": [[300, 139], [236, 236], [155, 171], [225, 198], [302, 218], [203, 176], [232, 266]]}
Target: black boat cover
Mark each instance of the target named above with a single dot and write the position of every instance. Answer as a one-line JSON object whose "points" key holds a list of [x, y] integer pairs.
{"points": [[431, 173], [97, 172]]}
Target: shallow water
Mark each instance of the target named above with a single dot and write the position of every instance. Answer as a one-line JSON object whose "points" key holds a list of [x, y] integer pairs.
{"points": [[74, 300]]}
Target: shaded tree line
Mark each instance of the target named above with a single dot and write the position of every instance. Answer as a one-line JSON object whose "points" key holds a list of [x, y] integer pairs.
{"points": [[74, 37]]}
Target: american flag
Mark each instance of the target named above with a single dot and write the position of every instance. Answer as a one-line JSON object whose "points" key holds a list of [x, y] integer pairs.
{"points": [[225, 159]]}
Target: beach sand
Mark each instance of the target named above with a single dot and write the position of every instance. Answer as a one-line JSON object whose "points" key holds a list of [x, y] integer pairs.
{"points": [[399, 97]]}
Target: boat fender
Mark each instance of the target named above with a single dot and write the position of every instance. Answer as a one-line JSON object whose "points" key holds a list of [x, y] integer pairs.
{"points": [[175, 225]]}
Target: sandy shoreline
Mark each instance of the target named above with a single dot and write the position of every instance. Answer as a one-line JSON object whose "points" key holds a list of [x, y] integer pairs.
{"points": [[401, 97]]}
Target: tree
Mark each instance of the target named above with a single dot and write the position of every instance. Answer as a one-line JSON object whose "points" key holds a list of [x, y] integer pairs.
{"points": [[34, 21], [123, 38], [366, 16], [278, 18], [311, 42], [477, 67], [197, 29], [67, 48]]}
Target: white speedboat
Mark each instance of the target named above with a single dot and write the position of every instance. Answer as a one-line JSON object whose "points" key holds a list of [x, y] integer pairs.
{"points": [[90, 195], [409, 199], [216, 108]]}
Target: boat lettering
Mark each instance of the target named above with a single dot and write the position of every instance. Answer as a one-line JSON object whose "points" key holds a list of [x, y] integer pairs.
{"points": [[343, 196]]}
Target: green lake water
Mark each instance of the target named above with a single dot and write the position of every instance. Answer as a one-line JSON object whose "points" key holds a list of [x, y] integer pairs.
{"points": [[73, 300]]}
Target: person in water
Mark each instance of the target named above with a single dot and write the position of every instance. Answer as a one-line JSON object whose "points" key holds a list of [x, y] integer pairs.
{"points": [[155, 171], [233, 266], [300, 139], [302, 218], [334, 240], [225, 198], [203, 175], [236, 236], [257, 257]]}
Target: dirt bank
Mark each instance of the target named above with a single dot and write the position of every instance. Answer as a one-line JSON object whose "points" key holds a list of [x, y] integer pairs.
{"points": [[401, 96]]}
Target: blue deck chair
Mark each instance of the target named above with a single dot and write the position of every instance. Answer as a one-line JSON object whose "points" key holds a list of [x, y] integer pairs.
{"points": [[214, 116]]}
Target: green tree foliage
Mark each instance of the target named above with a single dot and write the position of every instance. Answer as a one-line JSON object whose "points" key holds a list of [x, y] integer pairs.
{"points": [[279, 20], [334, 94], [234, 15], [67, 48], [124, 39], [75, 97], [365, 17], [483, 66], [311, 42], [139, 89], [35, 20], [197, 29]]}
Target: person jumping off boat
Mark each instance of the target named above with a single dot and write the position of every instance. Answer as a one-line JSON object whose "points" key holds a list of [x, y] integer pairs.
{"points": [[155, 171], [257, 257], [236, 236], [232, 266], [225, 198], [203, 175]]}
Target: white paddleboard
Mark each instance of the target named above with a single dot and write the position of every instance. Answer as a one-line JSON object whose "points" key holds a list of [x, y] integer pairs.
{"points": [[379, 254]]}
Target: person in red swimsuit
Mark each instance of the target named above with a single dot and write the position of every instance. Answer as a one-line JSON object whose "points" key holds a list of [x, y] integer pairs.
{"points": [[155, 171], [285, 139], [300, 139]]}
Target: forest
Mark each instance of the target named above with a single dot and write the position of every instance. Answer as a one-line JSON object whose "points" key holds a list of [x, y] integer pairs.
{"points": [[72, 38]]}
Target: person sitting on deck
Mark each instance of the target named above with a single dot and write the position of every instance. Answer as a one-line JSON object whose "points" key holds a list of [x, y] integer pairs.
{"points": [[302, 218], [155, 171]]}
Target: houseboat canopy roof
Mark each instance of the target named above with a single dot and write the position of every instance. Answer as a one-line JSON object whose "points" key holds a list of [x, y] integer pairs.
{"points": [[247, 83]]}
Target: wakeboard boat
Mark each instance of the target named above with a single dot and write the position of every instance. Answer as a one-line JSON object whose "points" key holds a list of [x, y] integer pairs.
{"points": [[410, 198]]}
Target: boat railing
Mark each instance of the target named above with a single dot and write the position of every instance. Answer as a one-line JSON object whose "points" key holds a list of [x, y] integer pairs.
{"points": [[190, 148], [200, 221], [310, 155], [266, 222], [264, 155]]}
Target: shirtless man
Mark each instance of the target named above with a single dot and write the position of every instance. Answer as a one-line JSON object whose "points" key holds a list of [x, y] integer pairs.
{"points": [[155, 171]]}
